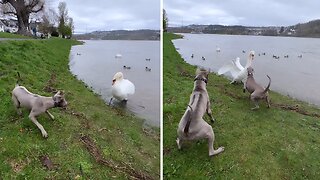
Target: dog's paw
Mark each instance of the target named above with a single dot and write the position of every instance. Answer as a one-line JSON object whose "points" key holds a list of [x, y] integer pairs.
{"points": [[220, 149], [45, 134]]}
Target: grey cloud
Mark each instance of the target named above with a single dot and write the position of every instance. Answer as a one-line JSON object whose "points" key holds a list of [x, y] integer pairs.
{"points": [[110, 15], [241, 12]]}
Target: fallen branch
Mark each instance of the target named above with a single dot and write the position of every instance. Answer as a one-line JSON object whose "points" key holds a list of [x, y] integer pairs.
{"points": [[123, 167]]}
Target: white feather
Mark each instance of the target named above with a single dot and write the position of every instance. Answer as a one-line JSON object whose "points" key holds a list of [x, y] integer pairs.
{"points": [[238, 72], [122, 88]]}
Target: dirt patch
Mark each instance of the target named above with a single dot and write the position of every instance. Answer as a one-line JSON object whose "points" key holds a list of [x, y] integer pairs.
{"points": [[183, 72], [151, 133], [18, 165], [46, 162], [122, 167], [295, 108], [49, 87]]}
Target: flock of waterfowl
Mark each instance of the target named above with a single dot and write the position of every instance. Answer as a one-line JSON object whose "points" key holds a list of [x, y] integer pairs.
{"points": [[218, 50], [118, 56]]}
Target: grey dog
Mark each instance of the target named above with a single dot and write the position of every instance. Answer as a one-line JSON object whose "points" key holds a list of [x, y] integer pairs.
{"points": [[256, 91], [192, 126], [37, 104]]}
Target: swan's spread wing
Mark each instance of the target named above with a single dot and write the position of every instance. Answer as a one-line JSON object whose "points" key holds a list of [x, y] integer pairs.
{"points": [[230, 67], [237, 63]]}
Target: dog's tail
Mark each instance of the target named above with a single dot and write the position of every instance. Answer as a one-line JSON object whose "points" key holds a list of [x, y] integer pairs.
{"points": [[267, 88], [186, 128], [18, 79]]}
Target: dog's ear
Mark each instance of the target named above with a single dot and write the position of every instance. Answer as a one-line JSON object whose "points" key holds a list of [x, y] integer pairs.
{"points": [[198, 70], [59, 93]]}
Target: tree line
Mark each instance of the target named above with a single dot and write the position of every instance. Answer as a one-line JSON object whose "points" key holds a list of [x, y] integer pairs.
{"points": [[51, 22]]}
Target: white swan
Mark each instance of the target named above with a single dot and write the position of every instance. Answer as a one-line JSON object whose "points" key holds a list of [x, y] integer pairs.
{"points": [[238, 72], [118, 56], [121, 88]]}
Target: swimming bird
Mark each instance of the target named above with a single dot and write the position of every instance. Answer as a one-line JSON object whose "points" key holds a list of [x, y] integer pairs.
{"points": [[121, 88], [218, 49], [148, 59], [243, 51], [118, 56], [191, 55], [300, 56], [238, 72], [148, 69], [126, 67], [203, 58]]}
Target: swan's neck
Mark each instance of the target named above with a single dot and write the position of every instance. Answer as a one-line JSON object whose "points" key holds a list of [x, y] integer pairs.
{"points": [[249, 62]]}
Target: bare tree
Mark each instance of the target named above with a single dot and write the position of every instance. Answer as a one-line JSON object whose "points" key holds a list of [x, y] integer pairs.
{"points": [[71, 24], [49, 21], [22, 10], [165, 20], [63, 18]]}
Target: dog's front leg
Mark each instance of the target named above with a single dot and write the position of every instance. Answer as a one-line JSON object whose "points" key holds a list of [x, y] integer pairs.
{"points": [[50, 115], [34, 120], [209, 112]]}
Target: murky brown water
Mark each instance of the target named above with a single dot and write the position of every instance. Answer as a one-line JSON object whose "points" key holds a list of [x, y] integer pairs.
{"points": [[95, 64], [293, 76]]}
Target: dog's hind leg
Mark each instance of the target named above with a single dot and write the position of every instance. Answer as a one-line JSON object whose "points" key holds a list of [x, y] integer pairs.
{"points": [[210, 136], [255, 102], [50, 115], [32, 116], [209, 112], [268, 101], [16, 104], [179, 143]]}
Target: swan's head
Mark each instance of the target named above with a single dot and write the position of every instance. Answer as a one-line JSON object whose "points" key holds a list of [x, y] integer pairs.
{"points": [[117, 77], [251, 55]]}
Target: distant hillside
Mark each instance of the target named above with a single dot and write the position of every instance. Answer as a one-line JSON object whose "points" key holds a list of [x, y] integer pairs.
{"points": [[121, 35], [309, 29]]}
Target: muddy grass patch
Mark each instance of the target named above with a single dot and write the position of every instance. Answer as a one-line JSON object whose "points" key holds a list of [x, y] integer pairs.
{"points": [[121, 167]]}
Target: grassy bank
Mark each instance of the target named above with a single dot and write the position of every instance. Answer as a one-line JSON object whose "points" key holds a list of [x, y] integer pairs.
{"points": [[88, 140], [277, 143], [10, 35]]}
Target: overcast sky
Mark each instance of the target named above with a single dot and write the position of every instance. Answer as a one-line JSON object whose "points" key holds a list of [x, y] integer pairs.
{"points": [[112, 14], [241, 12]]}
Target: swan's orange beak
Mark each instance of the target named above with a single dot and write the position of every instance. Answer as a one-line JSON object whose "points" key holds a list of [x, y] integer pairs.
{"points": [[113, 81]]}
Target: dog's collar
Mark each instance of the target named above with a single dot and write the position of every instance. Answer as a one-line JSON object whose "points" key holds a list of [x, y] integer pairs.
{"points": [[202, 79], [56, 104]]}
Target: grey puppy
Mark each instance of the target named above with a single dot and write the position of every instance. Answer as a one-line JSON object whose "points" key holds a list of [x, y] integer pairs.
{"points": [[37, 104], [192, 126], [256, 91]]}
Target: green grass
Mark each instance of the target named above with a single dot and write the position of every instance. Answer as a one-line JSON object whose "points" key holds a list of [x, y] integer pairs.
{"points": [[275, 143], [120, 137], [11, 35]]}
